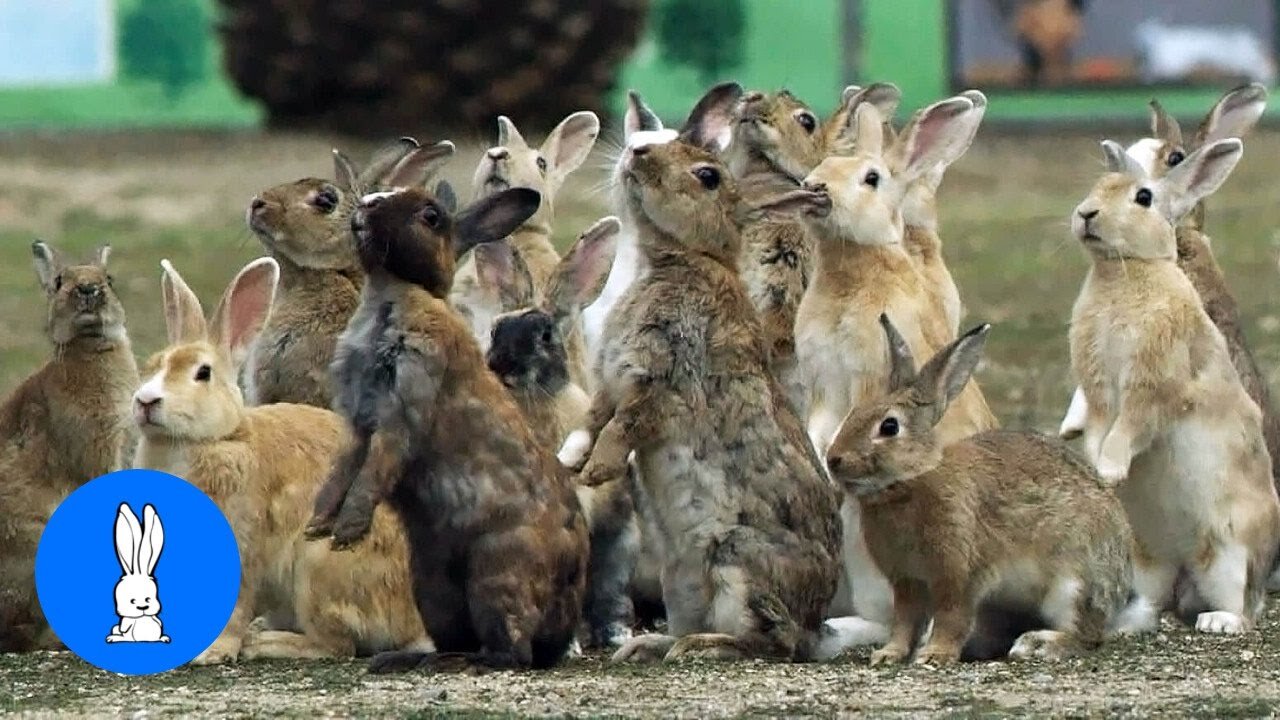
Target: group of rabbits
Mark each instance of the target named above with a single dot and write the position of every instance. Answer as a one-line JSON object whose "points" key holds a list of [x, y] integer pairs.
{"points": [[743, 405]]}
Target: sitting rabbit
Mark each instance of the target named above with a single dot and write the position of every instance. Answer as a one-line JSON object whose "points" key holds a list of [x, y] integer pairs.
{"points": [[137, 595]]}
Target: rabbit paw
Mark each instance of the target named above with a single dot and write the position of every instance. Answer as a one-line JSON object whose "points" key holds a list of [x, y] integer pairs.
{"points": [[223, 650], [1221, 622], [933, 655], [575, 450], [600, 470], [1042, 645], [1113, 461], [350, 528], [890, 655], [705, 646], [644, 648]]}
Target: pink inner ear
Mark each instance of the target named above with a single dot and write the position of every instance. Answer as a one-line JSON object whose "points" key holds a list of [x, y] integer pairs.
{"points": [[928, 134], [248, 306], [495, 264]]}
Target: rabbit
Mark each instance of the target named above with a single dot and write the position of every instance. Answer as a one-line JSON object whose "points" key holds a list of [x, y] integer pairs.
{"points": [[528, 354], [978, 534], [305, 226], [1234, 115], [1168, 421], [63, 426], [262, 466], [497, 539], [854, 205], [778, 140], [513, 163], [749, 523], [138, 549]]}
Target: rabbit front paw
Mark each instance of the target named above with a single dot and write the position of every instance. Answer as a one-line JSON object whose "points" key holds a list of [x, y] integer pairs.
{"points": [[936, 655], [575, 450], [223, 650], [890, 655]]}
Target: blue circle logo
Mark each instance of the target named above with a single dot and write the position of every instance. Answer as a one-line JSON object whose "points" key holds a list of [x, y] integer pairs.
{"points": [[137, 572]]}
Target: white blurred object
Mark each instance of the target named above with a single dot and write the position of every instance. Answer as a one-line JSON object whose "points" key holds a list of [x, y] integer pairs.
{"points": [[1172, 52]]}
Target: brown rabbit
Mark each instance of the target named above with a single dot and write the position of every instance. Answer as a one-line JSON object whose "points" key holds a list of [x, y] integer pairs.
{"points": [[750, 530], [497, 540], [63, 426], [978, 534], [1234, 115], [1168, 419], [306, 226], [263, 466]]}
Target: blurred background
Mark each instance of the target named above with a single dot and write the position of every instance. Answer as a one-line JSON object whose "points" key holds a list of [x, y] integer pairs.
{"points": [[149, 124]]}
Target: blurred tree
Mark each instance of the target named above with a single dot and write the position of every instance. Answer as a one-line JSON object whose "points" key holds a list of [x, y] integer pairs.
{"points": [[398, 66], [167, 41], [706, 35]]}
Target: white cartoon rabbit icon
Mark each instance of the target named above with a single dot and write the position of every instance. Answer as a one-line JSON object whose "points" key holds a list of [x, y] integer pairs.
{"points": [[137, 596]]}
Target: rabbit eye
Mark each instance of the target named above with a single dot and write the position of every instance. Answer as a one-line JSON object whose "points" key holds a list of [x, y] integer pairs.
{"points": [[709, 177], [872, 178], [57, 282], [546, 336], [326, 200], [542, 165], [889, 427], [111, 281], [807, 121], [431, 217], [1143, 197], [1175, 157], [203, 373]]}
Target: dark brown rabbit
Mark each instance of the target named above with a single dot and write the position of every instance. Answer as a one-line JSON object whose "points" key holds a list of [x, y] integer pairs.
{"points": [[750, 529], [497, 539], [306, 227]]}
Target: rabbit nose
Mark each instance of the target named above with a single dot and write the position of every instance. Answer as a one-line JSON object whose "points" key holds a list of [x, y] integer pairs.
{"points": [[834, 463], [640, 150], [1087, 215], [89, 293], [257, 203], [148, 403], [497, 153]]}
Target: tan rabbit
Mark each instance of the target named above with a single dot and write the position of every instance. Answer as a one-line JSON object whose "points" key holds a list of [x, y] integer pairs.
{"points": [[982, 533], [750, 529], [263, 466], [854, 205], [497, 539], [63, 426], [306, 226], [513, 163], [1168, 419], [1234, 115]]}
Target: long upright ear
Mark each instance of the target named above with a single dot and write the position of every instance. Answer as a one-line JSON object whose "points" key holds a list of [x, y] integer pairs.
{"points": [[384, 159], [945, 375], [493, 217], [446, 196], [183, 316], [710, 123], [581, 275], [1119, 161], [1163, 125], [501, 269], [1234, 115], [867, 131], [152, 540], [570, 142], [884, 96], [902, 364], [344, 172], [1199, 176], [128, 535], [942, 130], [508, 135], [48, 265], [417, 167], [102, 255], [638, 117], [244, 308]]}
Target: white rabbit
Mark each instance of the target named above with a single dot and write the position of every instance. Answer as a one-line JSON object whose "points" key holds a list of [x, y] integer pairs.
{"points": [[137, 596]]}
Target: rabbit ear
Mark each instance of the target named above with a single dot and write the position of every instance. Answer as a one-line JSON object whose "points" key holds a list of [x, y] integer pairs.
{"points": [[638, 116], [244, 308], [383, 160], [416, 167], [1234, 115], [568, 145], [945, 375], [102, 255], [493, 217], [183, 316], [1197, 177], [499, 267], [446, 196], [152, 541], [344, 173], [1163, 125], [48, 264], [1120, 161], [710, 123], [128, 538], [508, 135], [885, 96], [902, 364], [581, 275], [941, 131]]}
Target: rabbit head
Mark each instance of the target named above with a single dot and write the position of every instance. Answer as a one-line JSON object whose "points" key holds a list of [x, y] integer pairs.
{"points": [[860, 196], [892, 439], [513, 163], [682, 189], [189, 390], [138, 549], [920, 205], [1130, 214], [82, 301], [412, 234], [308, 222], [528, 347], [784, 132]]}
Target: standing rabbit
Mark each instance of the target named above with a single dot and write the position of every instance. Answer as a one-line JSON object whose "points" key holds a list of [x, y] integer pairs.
{"points": [[306, 226], [138, 549], [1168, 420], [497, 539], [980, 533], [262, 466], [749, 524], [63, 426]]}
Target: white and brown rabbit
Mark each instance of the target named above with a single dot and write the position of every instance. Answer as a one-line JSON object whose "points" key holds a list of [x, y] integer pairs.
{"points": [[305, 225], [138, 548], [263, 466], [1168, 420], [63, 426], [497, 539], [1007, 541], [750, 527]]}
